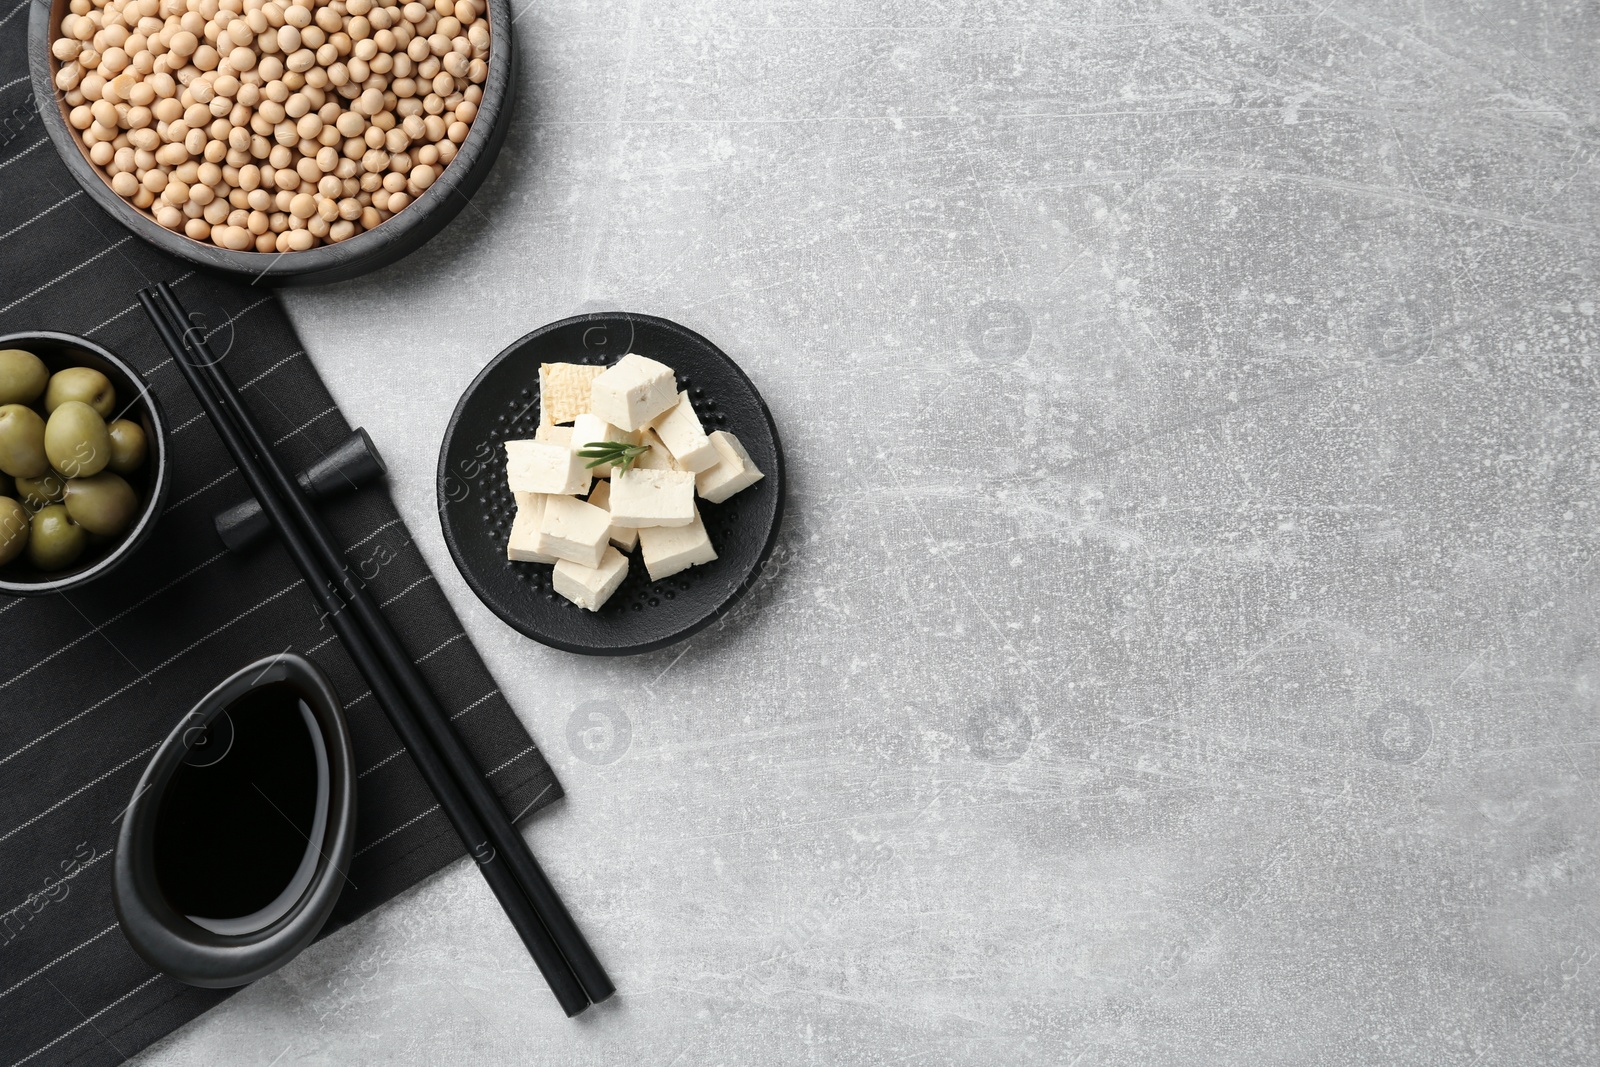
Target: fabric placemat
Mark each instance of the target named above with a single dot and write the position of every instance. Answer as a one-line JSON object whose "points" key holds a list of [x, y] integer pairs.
{"points": [[93, 680]]}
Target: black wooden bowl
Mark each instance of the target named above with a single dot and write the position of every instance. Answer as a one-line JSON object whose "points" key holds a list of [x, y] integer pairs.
{"points": [[397, 237], [476, 507], [214, 954], [134, 401]]}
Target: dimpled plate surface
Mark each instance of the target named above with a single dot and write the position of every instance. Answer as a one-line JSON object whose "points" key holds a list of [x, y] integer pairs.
{"points": [[476, 507]]}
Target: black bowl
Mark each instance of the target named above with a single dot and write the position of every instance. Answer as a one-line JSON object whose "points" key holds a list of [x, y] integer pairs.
{"points": [[201, 955], [61, 350], [397, 237], [476, 507]]}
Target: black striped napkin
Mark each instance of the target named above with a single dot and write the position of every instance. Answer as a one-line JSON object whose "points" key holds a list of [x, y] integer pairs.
{"points": [[91, 681]]}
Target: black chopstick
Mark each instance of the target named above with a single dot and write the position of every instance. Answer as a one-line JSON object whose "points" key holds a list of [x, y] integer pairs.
{"points": [[520, 907], [433, 718]]}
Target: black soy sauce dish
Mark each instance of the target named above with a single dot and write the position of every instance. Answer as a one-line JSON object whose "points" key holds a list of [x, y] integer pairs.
{"points": [[234, 849], [396, 238], [476, 506], [134, 401]]}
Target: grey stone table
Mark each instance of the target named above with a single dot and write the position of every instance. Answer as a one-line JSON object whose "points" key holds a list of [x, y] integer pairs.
{"points": [[1184, 648]]}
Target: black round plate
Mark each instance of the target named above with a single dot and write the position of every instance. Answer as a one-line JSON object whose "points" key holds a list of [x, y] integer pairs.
{"points": [[476, 507]]}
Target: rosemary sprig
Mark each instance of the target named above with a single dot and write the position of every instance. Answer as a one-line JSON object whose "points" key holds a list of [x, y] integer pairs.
{"points": [[619, 454]]}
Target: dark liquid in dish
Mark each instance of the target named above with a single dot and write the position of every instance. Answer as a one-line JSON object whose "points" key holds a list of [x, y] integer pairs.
{"points": [[231, 831]]}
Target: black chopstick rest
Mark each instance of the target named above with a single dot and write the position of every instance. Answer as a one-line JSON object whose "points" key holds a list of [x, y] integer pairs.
{"points": [[354, 464]]}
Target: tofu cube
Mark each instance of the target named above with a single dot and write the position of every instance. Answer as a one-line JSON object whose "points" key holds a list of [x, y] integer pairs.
{"points": [[555, 435], [680, 430], [544, 467], [734, 472], [658, 458], [523, 545], [633, 391], [590, 587], [624, 537], [564, 390], [573, 530], [591, 429], [668, 550], [643, 498]]}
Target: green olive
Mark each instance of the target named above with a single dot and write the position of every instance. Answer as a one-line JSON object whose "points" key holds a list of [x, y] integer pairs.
{"points": [[83, 384], [104, 504], [127, 446], [22, 442], [55, 542], [76, 440], [41, 492], [22, 376], [14, 525]]}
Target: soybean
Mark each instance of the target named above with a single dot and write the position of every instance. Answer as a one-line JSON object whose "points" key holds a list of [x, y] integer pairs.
{"points": [[274, 95]]}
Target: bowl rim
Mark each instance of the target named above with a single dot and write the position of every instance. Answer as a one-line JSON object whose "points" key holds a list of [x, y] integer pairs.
{"points": [[417, 221], [155, 501]]}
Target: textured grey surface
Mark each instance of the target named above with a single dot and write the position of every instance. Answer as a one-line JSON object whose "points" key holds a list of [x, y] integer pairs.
{"points": [[1184, 649]]}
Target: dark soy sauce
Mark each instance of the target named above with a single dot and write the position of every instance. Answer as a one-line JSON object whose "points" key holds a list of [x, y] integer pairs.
{"points": [[236, 818]]}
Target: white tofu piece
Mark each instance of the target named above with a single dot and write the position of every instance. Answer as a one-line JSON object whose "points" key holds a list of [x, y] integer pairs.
{"points": [[624, 537], [555, 435], [643, 498], [659, 458], [590, 587], [544, 467], [573, 530], [523, 544], [668, 550], [736, 470], [590, 429], [633, 391], [564, 390], [680, 430]]}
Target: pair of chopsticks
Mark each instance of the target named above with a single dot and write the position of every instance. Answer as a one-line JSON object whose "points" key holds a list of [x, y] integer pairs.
{"points": [[557, 946]]}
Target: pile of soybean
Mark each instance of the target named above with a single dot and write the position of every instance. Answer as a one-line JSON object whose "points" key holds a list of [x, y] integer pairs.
{"points": [[63, 458]]}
